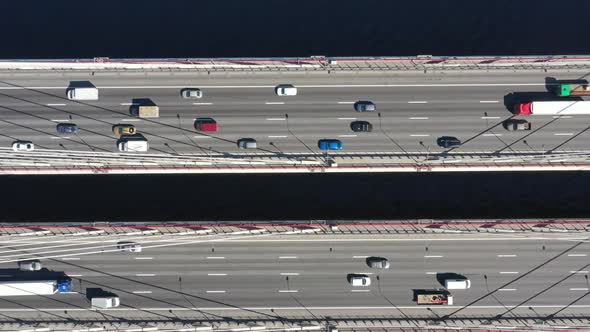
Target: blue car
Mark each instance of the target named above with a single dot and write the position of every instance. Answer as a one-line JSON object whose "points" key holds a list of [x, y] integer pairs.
{"points": [[329, 144], [67, 128]]}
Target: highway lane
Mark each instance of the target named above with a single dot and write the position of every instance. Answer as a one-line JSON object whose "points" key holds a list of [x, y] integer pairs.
{"points": [[469, 107], [253, 272]]}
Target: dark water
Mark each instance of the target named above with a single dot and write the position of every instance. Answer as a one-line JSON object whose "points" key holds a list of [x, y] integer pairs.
{"points": [[288, 197], [241, 28]]}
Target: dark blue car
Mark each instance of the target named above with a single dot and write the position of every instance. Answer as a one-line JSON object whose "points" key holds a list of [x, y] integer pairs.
{"points": [[67, 128], [329, 144]]}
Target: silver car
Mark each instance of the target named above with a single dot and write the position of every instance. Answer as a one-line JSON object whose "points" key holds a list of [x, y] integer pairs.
{"points": [[30, 265], [247, 143], [191, 93], [128, 246], [378, 262]]}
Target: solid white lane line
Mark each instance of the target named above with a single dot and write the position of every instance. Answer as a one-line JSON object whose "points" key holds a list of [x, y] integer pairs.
{"points": [[289, 273], [145, 275], [275, 119], [56, 104], [490, 117], [577, 255], [215, 257], [488, 101], [360, 256], [144, 258], [582, 289], [202, 103], [346, 118], [419, 118], [492, 134], [346, 102], [70, 258], [506, 289], [215, 291], [581, 271], [506, 255], [420, 135], [130, 120], [277, 136], [360, 290], [275, 103], [509, 272], [142, 292], [563, 134], [418, 102], [347, 135], [287, 257], [433, 256], [288, 291], [216, 274]]}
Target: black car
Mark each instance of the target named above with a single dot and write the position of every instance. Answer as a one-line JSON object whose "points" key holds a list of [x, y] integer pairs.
{"points": [[448, 141], [67, 128], [361, 126]]}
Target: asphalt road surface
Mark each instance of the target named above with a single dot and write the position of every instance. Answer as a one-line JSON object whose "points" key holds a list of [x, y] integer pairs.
{"points": [[413, 110], [236, 272]]}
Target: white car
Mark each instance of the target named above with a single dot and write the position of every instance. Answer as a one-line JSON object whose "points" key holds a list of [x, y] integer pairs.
{"points": [[191, 93], [23, 146], [285, 90], [359, 280]]}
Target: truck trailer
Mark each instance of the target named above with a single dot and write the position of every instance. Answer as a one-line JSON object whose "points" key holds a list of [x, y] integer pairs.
{"points": [[86, 93], [105, 302], [145, 111], [433, 296], [572, 90], [34, 287], [552, 108]]}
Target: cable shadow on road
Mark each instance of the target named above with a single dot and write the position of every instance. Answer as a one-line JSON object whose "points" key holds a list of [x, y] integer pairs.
{"points": [[127, 115], [564, 252]]}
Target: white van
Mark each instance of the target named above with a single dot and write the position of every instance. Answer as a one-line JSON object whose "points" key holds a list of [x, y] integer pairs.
{"points": [[457, 284], [133, 143], [105, 302], [86, 93]]}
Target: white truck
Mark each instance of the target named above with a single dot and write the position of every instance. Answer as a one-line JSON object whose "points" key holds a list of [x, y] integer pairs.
{"points": [[85, 93], [105, 302], [552, 108], [34, 287], [134, 143], [145, 111]]}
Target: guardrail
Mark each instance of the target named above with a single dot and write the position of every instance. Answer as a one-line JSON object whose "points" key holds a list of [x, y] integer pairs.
{"points": [[312, 63]]}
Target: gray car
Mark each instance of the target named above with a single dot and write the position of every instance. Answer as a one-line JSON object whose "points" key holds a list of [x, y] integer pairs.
{"points": [[365, 106], [30, 265], [247, 143], [378, 262]]}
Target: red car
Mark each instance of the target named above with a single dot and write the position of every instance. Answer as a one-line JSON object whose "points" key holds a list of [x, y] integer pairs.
{"points": [[206, 124]]}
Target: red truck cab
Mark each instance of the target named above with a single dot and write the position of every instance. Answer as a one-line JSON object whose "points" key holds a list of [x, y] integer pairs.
{"points": [[206, 124], [523, 109]]}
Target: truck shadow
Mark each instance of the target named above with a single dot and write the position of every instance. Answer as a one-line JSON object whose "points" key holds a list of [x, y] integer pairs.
{"points": [[43, 274]]}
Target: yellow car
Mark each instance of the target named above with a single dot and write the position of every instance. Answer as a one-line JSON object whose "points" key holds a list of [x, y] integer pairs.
{"points": [[124, 129]]}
